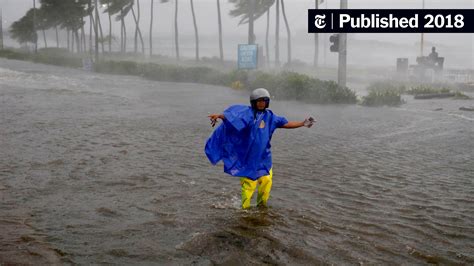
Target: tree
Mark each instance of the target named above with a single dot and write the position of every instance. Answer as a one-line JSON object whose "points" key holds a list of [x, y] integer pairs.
{"points": [[242, 7], [138, 32], [176, 34], [196, 35], [316, 37], [219, 22], [277, 35], [287, 32], [257, 8], [23, 30], [108, 38], [72, 14], [1, 30], [120, 8], [41, 23], [267, 48], [176, 43], [151, 27], [34, 25], [52, 15]]}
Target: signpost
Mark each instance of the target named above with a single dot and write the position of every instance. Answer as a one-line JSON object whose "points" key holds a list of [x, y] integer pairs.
{"points": [[247, 56]]}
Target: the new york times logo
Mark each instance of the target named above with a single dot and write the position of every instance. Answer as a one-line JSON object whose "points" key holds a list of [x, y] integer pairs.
{"points": [[320, 21], [395, 20]]}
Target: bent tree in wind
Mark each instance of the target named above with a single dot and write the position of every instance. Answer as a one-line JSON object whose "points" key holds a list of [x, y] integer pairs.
{"points": [[23, 29], [121, 9]]}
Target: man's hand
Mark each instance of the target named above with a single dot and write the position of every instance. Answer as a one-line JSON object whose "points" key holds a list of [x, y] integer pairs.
{"points": [[308, 122], [214, 117]]}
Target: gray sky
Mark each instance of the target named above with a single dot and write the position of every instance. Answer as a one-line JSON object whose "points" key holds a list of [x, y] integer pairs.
{"points": [[296, 12]]}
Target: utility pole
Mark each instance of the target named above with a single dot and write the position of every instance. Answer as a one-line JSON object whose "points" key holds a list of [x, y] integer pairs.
{"points": [[1, 30], [251, 32], [342, 69]]}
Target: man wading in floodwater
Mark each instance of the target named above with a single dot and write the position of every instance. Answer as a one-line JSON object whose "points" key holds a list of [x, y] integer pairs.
{"points": [[242, 142]]}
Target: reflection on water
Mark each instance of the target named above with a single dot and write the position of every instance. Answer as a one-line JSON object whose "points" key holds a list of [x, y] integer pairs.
{"points": [[111, 169]]}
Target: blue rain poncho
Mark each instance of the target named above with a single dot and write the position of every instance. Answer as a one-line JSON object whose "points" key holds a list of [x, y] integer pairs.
{"points": [[242, 141]]}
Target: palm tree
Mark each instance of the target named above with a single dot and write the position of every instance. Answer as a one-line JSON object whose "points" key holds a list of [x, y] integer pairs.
{"points": [[277, 35], [176, 34], [123, 32], [72, 14], [138, 32], [196, 35], [23, 30], [267, 49], [42, 23], [34, 25], [257, 8], [108, 38], [121, 8], [287, 32], [176, 43], [110, 28], [97, 25], [52, 15], [151, 28], [1, 30], [316, 39], [244, 9], [219, 22]]}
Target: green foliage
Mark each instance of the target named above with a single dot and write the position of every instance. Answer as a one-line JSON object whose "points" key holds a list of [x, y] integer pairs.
{"points": [[10, 54], [387, 86], [285, 85], [294, 86], [23, 30], [241, 9], [67, 61], [119, 7], [65, 13], [427, 89], [52, 56], [381, 98], [117, 67], [461, 96], [382, 93], [203, 75]]}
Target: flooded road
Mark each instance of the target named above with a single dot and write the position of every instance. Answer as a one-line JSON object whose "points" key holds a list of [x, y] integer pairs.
{"points": [[111, 169]]}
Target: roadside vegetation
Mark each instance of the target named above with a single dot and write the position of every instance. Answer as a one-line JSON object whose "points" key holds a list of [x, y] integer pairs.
{"points": [[390, 93], [383, 93], [427, 89], [282, 85]]}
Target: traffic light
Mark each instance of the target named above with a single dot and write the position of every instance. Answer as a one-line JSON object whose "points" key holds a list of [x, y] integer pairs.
{"points": [[334, 39]]}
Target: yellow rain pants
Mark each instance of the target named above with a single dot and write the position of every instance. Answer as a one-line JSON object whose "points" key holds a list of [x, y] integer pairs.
{"points": [[249, 186]]}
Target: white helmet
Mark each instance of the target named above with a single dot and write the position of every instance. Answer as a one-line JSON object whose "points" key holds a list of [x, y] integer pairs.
{"points": [[259, 94]]}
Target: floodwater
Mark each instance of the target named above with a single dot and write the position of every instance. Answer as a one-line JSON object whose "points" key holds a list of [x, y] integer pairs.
{"points": [[110, 169]]}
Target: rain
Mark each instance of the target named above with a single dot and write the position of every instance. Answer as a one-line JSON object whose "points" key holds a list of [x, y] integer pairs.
{"points": [[104, 109]]}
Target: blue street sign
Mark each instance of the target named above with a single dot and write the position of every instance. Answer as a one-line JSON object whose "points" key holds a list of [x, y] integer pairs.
{"points": [[247, 56]]}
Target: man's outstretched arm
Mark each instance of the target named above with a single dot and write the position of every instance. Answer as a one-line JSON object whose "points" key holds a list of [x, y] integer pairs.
{"points": [[293, 124], [308, 122]]}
